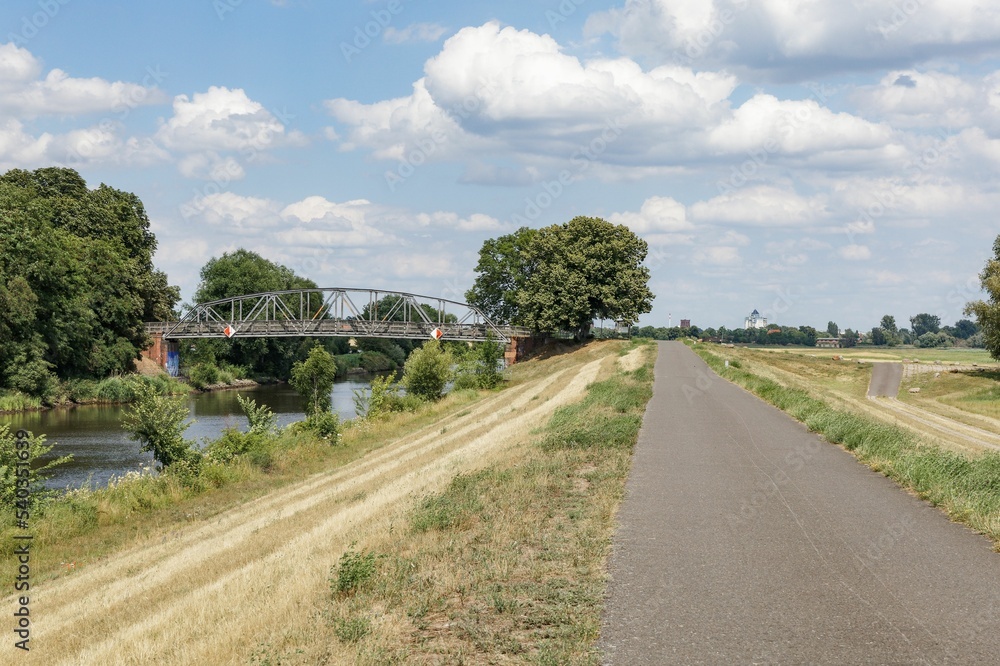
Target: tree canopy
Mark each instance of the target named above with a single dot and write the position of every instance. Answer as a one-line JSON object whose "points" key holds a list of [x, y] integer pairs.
{"points": [[925, 323], [987, 312], [562, 277], [76, 279], [240, 273]]}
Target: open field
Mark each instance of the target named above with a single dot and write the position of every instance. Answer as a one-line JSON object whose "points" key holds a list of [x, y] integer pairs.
{"points": [[511, 572], [953, 409], [954, 355]]}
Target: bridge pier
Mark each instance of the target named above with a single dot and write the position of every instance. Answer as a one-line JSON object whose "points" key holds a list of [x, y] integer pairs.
{"points": [[519, 347], [165, 352]]}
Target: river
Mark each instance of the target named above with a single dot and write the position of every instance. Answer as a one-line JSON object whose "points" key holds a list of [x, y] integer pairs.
{"points": [[101, 449]]}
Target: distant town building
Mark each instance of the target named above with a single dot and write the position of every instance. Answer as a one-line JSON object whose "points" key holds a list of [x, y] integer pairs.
{"points": [[755, 320], [685, 323], [828, 343]]}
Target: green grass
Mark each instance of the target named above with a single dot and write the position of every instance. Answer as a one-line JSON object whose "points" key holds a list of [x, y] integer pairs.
{"points": [[967, 488], [506, 565], [15, 401]]}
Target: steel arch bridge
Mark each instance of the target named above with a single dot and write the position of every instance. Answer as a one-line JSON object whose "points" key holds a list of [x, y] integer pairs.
{"points": [[337, 312]]}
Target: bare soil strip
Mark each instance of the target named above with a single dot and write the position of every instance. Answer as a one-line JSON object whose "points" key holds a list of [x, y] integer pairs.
{"points": [[259, 573], [936, 425]]}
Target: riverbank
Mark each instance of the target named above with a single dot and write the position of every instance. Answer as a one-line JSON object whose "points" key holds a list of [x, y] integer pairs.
{"points": [[116, 390], [504, 559], [112, 391]]}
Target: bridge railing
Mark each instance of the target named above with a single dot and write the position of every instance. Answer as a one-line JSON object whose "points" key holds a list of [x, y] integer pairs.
{"points": [[339, 312]]}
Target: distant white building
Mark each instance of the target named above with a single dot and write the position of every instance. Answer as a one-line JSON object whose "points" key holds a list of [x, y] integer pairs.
{"points": [[754, 320]]}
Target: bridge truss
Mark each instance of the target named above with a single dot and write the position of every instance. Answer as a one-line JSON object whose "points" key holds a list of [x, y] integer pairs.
{"points": [[336, 312]]}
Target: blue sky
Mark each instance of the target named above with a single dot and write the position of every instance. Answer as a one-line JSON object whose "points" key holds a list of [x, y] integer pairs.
{"points": [[814, 161]]}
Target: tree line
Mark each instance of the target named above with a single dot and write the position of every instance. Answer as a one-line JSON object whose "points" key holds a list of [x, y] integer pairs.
{"points": [[77, 280]]}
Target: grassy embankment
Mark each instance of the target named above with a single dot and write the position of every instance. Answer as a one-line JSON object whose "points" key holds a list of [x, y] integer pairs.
{"points": [[507, 564], [966, 486], [80, 527]]}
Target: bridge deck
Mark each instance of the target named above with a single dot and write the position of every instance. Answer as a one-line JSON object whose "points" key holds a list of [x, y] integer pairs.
{"points": [[333, 328]]}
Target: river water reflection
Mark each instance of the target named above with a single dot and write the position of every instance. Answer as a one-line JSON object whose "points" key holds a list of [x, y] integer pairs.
{"points": [[101, 449]]}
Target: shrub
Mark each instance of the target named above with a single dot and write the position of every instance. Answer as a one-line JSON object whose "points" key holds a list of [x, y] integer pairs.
{"points": [[236, 371], [353, 571], [378, 400], [27, 450], [427, 371], [116, 389], [405, 403], [325, 425], [261, 419], [481, 368], [158, 422], [313, 379], [202, 375], [373, 361], [15, 401], [256, 447], [81, 390]]}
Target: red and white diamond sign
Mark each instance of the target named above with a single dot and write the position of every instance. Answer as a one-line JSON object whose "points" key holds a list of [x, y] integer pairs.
{"points": [[437, 333], [229, 331]]}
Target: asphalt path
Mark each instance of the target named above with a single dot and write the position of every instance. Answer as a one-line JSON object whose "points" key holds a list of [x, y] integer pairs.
{"points": [[886, 378], [744, 539]]}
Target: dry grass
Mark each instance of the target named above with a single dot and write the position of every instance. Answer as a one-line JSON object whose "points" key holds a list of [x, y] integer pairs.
{"points": [[251, 583], [946, 413], [945, 356]]}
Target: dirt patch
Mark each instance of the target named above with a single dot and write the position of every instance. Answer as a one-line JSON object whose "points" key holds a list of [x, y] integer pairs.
{"points": [[632, 360]]}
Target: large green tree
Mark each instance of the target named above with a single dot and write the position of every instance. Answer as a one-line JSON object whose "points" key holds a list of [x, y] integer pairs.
{"points": [[987, 312], [241, 273], [925, 323], [502, 271], [562, 277], [76, 279]]}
